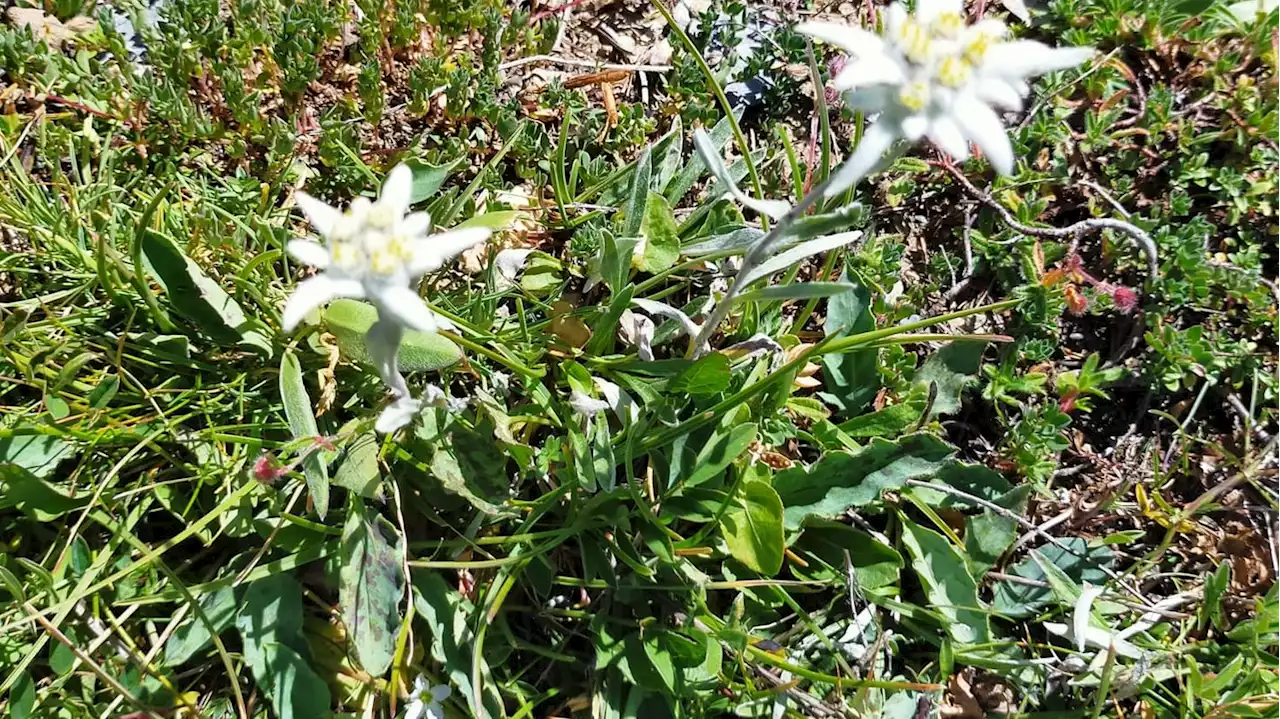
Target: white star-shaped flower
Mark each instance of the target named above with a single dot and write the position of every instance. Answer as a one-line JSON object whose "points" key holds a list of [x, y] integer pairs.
{"points": [[374, 250], [933, 75], [425, 700]]}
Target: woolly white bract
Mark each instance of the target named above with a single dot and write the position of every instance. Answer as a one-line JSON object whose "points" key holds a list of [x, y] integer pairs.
{"points": [[933, 75], [374, 250]]}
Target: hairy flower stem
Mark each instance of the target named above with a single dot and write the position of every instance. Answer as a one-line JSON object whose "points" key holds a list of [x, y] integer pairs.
{"points": [[700, 345]]}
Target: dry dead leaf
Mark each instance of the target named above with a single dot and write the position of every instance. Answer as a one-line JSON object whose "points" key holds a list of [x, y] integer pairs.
{"points": [[48, 28], [570, 330], [961, 703]]}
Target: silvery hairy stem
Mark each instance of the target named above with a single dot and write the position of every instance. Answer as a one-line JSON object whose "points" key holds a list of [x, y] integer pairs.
{"points": [[754, 257]]}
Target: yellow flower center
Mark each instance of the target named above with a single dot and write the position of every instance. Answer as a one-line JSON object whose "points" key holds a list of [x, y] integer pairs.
{"points": [[914, 40], [387, 254], [975, 52], [914, 96], [954, 72], [948, 24], [345, 255]]}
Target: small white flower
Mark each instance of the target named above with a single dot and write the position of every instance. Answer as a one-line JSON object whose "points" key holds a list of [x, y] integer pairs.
{"points": [[428, 706], [933, 75], [398, 414], [374, 250]]}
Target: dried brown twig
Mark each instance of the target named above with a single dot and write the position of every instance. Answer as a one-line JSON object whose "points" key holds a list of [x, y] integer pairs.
{"points": [[1139, 237]]}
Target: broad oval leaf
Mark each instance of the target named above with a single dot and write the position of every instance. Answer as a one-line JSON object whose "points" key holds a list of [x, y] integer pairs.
{"points": [[752, 527], [951, 590], [219, 608], [658, 230], [824, 545], [709, 375], [349, 320], [496, 220], [428, 179], [719, 452]]}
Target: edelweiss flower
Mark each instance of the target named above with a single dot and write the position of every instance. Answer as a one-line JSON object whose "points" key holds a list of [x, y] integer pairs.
{"points": [[374, 250], [428, 707], [933, 75]]}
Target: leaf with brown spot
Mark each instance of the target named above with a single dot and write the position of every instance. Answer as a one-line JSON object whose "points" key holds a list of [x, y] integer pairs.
{"points": [[371, 587]]}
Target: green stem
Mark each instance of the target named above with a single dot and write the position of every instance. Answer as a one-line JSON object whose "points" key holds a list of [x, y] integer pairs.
{"points": [[812, 304], [829, 345], [480, 349], [738, 137]]}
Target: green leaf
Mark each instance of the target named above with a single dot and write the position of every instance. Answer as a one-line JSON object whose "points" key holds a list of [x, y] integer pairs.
{"points": [[447, 614], [197, 297], [39, 499], [661, 240], [270, 625], [850, 379], [752, 528], [709, 375], [602, 453], [689, 174], [38, 454], [1017, 600], [888, 422], [825, 224], [497, 220], [22, 697], [302, 422], [989, 535], [633, 212], [841, 480], [975, 479], [219, 608], [428, 179], [952, 368], [797, 291], [824, 545], [296, 691], [1215, 588], [102, 394], [951, 590], [58, 407], [473, 468], [719, 452], [371, 585], [350, 320], [650, 662], [270, 612], [61, 659], [542, 274], [358, 468]]}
